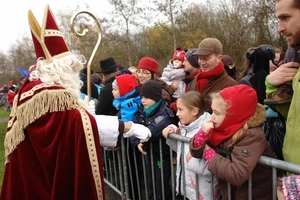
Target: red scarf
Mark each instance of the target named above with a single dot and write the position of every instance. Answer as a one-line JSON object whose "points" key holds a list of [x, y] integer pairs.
{"points": [[241, 103], [203, 77], [189, 78]]}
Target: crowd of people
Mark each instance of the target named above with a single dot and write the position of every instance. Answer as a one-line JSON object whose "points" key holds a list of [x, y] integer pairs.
{"points": [[55, 133]]}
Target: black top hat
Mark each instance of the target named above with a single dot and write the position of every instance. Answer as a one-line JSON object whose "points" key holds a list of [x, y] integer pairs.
{"points": [[107, 65]]}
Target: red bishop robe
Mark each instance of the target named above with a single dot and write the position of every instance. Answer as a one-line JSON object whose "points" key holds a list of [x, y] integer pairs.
{"points": [[52, 147]]}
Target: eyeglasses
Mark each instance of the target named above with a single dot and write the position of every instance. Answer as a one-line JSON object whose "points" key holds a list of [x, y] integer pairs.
{"points": [[145, 72]]}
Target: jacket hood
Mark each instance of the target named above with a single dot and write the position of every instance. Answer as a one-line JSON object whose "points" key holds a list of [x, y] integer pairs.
{"points": [[259, 117]]}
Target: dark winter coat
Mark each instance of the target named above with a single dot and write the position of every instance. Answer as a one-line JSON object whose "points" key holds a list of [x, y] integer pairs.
{"points": [[167, 91], [104, 105], [83, 89], [160, 118]]}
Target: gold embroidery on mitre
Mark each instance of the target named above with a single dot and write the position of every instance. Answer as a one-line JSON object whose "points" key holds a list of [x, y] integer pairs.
{"points": [[41, 34], [52, 32]]}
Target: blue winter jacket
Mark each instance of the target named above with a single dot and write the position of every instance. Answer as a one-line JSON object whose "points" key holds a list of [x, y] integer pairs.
{"points": [[128, 105]]}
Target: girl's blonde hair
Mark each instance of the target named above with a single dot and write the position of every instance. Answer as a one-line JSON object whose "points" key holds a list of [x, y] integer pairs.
{"points": [[227, 104], [193, 99]]}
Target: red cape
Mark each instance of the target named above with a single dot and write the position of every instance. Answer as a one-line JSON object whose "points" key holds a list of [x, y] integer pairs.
{"points": [[60, 156]]}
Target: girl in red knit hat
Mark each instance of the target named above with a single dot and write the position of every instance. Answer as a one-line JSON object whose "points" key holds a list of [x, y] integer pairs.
{"points": [[235, 126]]}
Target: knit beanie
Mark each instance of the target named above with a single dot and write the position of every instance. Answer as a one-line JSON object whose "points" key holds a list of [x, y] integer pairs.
{"points": [[125, 82], [193, 60], [291, 187], [241, 101], [152, 90], [179, 54], [148, 64], [240, 96]]}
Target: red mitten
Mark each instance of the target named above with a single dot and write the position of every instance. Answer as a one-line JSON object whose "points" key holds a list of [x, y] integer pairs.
{"points": [[209, 154], [200, 138]]}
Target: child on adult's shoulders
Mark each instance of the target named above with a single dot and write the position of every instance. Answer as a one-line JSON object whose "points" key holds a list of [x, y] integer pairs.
{"points": [[174, 72]]}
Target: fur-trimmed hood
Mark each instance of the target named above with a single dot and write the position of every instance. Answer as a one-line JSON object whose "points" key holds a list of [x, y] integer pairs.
{"points": [[259, 117]]}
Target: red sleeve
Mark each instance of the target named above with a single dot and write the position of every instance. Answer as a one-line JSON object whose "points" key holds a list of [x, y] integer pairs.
{"points": [[10, 97]]}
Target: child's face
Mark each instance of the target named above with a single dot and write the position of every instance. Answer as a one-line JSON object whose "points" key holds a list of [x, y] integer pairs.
{"points": [[177, 63], [116, 92], [276, 60], [185, 115], [133, 71], [147, 102], [219, 111], [280, 195]]}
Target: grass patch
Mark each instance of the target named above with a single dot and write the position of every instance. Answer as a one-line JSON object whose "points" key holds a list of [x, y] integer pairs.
{"points": [[3, 126], [2, 156], [4, 113]]}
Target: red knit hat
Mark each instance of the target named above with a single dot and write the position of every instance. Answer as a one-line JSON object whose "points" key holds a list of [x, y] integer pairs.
{"points": [[148, 64], [48, 40], [126, 83], [241, 101], [240, 96], [179, 54]]}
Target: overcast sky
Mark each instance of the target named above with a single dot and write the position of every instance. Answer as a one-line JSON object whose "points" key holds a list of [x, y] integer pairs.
{"points": [[13, 15]]}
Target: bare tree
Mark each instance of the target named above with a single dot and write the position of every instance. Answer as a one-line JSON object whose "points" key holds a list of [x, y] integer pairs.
{"points": [[238, 24], [134, 30], [127, 12], [172, 10]]}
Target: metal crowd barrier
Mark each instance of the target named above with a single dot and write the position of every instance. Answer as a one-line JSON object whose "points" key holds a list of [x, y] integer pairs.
{"points": [[126, 173]]}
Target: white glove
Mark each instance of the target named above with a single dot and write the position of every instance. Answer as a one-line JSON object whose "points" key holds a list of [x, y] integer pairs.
{"points": [[139, 131], [91, 107], [108, 129]]}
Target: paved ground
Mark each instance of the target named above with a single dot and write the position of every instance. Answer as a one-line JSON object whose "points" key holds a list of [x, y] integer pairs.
{"points": [[4, 120], [110, 194]]}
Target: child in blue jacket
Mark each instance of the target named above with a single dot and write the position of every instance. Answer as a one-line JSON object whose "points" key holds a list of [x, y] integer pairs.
{"points": [[127, 98]]}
